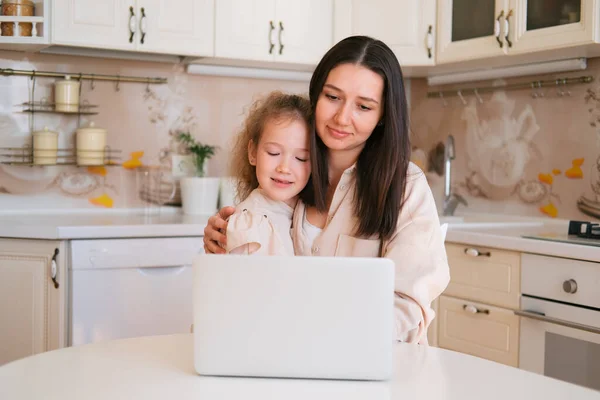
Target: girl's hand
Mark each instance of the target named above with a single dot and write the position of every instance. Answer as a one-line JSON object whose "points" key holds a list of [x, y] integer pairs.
{"points": [[214, 232]]}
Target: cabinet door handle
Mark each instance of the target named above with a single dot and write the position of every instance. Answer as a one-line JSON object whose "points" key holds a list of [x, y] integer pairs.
{"points": [[271, 38], [471, 309], [131, 24], [497, 29], [54, 269], [143, 25], [473, 252], [429, 41], [507, 28], [281, 37]]}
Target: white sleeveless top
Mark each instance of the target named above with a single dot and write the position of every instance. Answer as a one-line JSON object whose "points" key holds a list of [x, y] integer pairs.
{"points": [[310, 230]]}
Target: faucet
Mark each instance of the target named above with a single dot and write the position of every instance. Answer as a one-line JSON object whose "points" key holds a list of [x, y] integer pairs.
{"points": [[451, 200]]}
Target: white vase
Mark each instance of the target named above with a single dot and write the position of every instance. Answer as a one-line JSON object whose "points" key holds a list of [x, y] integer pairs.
{"points": [[199, 195]]}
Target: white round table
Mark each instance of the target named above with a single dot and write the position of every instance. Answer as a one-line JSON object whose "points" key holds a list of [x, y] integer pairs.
{"points": [[161, 367]]}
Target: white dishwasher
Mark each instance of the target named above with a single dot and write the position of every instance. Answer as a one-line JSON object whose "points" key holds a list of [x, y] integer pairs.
{"points": [[121, 288]]}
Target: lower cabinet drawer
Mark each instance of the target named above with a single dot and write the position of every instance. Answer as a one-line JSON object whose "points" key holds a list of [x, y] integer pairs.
{"points": [[490, 276], [479, 329]]}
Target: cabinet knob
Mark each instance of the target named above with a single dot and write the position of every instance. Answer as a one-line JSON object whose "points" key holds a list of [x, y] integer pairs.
{"points": [[570, 286], [497, 29], [54, 269], [471, 309], [143, 29], [507, 28], [429, 41], [271, 38], [470, 251], [131, 24], [281, 45]]}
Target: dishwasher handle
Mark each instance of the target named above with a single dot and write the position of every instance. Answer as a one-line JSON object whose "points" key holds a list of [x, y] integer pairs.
{"points": [[162, 271]]}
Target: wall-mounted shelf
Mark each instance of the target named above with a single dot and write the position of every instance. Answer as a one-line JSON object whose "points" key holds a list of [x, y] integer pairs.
{"points": [[24, 156], [43, 107]]}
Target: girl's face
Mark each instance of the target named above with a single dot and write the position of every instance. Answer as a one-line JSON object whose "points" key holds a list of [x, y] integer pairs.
{"points": [[282, 159], [348, 108]]}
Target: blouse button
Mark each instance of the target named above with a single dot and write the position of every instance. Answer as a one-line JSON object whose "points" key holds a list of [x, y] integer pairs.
{"points": [[343, 187], [315, 250]]}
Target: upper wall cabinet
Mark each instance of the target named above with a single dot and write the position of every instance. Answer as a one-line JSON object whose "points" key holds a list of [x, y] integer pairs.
{"points": [[181, 27], [470, 29], [486, 28], [546, 25], [273, 30], [407, 26]]}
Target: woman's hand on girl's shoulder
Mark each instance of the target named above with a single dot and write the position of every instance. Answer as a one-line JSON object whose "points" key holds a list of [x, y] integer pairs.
{"points": [[214, 232]]}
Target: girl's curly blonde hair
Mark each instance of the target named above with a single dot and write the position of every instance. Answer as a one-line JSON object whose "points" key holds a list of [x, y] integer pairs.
{"points": [[275, 106]]}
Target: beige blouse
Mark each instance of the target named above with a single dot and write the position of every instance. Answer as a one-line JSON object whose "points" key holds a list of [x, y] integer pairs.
{"points": [[417, 248], [260, 226]]}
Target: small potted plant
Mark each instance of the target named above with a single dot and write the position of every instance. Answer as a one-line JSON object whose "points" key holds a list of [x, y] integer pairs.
{"points": [[199, 193]]}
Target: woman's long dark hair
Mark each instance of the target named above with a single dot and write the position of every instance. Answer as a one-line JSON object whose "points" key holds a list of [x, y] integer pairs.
{"points": [[381, 169]]}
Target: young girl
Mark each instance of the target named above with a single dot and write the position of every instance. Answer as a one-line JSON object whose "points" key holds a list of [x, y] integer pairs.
{"points": [[271, 162]]}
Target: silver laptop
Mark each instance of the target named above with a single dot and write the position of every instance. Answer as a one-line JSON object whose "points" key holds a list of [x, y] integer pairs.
{"points": [[297, 317]]}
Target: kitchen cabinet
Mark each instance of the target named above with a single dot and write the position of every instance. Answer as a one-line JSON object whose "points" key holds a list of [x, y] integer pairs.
{"points": [[546, 25], [407, 26], [109, 289], [181, 27], [475, 314], [484, 274], [273, 30], [488, 28], [32, 307], [469, 30], [479, 329]]}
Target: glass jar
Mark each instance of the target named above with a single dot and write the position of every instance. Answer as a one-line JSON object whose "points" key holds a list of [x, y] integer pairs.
{"points": [[17, 8]]}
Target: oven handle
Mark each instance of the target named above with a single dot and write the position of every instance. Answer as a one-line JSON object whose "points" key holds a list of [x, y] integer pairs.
{"points": [[542, 317]]}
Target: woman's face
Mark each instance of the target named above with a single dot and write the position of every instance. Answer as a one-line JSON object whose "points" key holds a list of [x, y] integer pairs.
{"points": [[349, 107]]}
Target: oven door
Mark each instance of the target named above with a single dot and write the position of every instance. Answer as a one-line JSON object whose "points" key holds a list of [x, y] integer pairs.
{"points": [[560, 341]]}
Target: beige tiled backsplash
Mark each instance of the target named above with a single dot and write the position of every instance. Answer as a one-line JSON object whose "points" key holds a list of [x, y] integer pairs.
{"points": [[521, 152], [136, 120]]}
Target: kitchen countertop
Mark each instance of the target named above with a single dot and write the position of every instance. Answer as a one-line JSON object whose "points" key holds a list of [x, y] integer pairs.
{"points": [[486, 230], [505, 232], [101, 225], [162, 367]]}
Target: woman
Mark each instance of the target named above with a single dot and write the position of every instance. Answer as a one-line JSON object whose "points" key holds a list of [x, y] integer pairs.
{"points": [[365, 198]]}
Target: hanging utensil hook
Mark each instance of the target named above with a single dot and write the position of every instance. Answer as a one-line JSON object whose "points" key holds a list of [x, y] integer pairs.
{"points": [[459, 93], [477, 96], [444, 102]]}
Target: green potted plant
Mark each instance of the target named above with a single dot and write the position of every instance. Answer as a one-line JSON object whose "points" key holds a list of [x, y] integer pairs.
{"points": [[201, 153], [199, 193]]}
